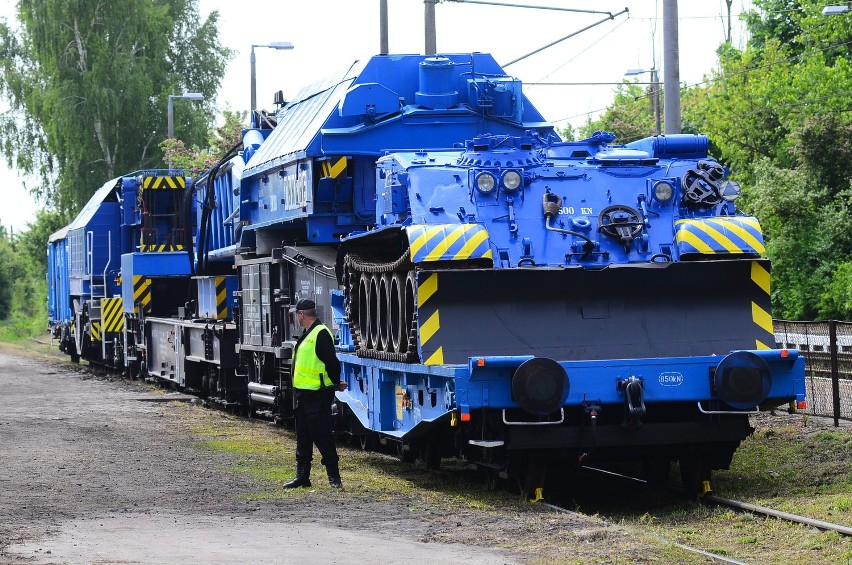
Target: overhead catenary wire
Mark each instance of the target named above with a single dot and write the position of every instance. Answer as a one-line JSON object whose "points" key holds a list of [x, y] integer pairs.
{"points": [[713, 79]]}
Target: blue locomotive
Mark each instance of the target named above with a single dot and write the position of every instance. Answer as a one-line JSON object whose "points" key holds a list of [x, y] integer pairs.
{"points": [[496, 293]]}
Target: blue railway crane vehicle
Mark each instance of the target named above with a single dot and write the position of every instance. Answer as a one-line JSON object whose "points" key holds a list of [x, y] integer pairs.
{"points": [[495, 292], [601, 301]]}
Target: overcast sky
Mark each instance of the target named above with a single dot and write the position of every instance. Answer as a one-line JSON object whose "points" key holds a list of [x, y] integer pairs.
{"points": [[331, 34]]}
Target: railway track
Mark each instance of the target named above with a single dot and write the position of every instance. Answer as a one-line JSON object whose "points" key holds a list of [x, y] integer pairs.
{"points": [[712, 499], [745, 506]]}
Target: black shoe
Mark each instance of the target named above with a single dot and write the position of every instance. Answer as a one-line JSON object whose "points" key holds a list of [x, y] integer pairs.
{"points": [[298, 482], [303, 477], [334, 476]]}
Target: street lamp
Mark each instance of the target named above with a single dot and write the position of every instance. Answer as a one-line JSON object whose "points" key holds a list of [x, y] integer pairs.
{"points": [[835, 10], [171, 111], [280, 45], [655, 92]]}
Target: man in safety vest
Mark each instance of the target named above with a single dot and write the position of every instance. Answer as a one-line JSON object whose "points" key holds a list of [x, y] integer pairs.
{"points": [[316, 376]]}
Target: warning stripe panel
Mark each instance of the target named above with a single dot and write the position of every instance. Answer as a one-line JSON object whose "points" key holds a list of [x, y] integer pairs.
{"points": [[221, 299], [448, 242], [719, 235], [112, 315], [333, 168], [429, 320], [163, 183], [155, 248], [761, 304], [95, 330], [141, 293]]}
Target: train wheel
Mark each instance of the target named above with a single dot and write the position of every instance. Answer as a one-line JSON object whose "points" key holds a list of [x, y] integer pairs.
{"points": [[695, 476], [656, 472], [405, 452], [493, 480], [367, 442], [530, 476], [430, 452]]}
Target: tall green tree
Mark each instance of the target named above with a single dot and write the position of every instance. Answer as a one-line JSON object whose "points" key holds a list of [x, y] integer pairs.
{"points": [[629, 117], [778, 114], [88, 84]]}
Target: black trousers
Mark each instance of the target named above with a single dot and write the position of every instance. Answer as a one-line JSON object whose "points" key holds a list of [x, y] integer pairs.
{"points": [[313, 426]]}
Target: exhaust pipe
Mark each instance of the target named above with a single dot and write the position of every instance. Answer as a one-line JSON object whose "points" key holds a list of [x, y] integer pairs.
{"points": [[262, 388], [261, 398]]}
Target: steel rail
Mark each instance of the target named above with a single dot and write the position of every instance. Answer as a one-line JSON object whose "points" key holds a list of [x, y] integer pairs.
{"points": [[754, 508], [684, 547], [820, 524]]}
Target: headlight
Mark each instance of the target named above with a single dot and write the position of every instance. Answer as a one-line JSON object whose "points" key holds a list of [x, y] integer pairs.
{"points": [[730, 190], [511, 180], [485, 182], [663, 191]]}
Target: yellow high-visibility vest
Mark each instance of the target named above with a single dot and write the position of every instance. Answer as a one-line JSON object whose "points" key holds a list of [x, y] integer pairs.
{"points": [[309, 373]]}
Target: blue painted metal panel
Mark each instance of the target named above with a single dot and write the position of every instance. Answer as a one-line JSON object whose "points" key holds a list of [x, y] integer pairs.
{"points": [[391, 102], [166, 264], [58, 290], [403, 399]]}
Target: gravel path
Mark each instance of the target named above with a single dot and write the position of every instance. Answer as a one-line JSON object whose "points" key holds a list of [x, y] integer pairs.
{"points": [[100, 470]]}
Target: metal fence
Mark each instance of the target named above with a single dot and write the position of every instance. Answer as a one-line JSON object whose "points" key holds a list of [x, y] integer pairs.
{"points": [[827, 348]]}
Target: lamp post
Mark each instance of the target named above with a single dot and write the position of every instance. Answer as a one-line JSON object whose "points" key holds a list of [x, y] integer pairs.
{"points": [[280, 45], [655, 92], [171, 111]]}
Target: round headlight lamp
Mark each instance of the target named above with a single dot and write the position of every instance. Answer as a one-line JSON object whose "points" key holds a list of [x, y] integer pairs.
{"points": [[485, 182], [730, 190], [663, 191], [511, 180]]}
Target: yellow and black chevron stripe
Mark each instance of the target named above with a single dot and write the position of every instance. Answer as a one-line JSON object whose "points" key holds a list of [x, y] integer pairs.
{"points": [[112, 315], [141, 293], [761, 306], [333, 167], [720, 235], [163, 183], [221, 299], [448, 242], [159, 248], [95, 330], [429, 318]]}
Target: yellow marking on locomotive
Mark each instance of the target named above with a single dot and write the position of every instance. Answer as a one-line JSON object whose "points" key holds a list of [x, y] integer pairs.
{"points": [[430, 327], [742, 233], [427, 289], [163, 183], [334, 169], [159, 248], [762, 318], [112, 315], [95, 330], [436, 358], [760, 276], [439, 250], [695, 241], [471, 245], [424, 238], [716, 235], [760, 345], [221, 299], [141, 293]]}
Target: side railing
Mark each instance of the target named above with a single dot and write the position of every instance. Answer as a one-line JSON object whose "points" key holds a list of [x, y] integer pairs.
{"points": [[827, 347]]}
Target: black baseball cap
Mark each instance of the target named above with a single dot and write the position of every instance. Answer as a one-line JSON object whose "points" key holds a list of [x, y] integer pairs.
{"points": [[306, 304]]}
